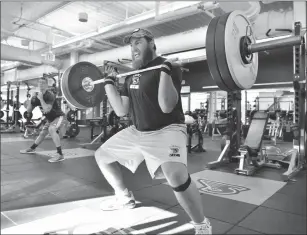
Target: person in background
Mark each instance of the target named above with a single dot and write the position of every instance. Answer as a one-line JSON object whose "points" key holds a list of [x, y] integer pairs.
{"points": [[55, 120]]}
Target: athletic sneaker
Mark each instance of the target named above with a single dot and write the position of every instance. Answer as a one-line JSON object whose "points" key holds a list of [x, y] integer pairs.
{"points": [[57, 158], [118, 203], [203, 228], [29, 150]]}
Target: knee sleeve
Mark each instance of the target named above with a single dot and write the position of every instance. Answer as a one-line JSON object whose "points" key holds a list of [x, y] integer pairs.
{"points": [[184, 186]]}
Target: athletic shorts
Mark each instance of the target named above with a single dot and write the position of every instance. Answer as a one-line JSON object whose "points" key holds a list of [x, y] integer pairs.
{"points": [[130, 147], [60, 123]]}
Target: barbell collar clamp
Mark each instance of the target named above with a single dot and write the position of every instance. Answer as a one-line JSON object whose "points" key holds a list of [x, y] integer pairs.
{"points": [[274, 44]]}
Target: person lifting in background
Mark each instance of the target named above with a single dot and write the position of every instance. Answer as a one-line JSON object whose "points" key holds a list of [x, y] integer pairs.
{"points": [[56, 122], [158, 134]]}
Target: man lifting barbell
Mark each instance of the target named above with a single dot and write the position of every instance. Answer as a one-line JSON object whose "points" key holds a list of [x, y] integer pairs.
{"points": [[152, 95], [158, 134], [56, 121]]}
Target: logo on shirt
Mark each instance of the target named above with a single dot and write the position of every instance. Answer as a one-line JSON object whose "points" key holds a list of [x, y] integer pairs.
{"points": [[220, 188], [174, 151], [135, 81]]}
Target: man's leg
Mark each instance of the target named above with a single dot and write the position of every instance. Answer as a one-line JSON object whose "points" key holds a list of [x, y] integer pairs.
{"points": [[55, 130], [54, 133], [114, 176], [185, 189], [187, 194], [42, 135], [120, 148], [166, 151]]}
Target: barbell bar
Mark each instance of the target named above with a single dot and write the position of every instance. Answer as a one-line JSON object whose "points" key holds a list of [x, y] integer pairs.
{"points": [[129, 73], [88, 84], [232, 57], [278, 43]]}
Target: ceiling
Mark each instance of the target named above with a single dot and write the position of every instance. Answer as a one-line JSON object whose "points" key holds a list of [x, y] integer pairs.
{"points": [[40, 26]]}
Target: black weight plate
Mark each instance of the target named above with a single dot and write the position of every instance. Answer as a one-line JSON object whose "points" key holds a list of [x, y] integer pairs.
{"points": [[70, 115], [211, 55], [1, 114], [220, 51], [76, 74], [66, 93], [73, 130]]}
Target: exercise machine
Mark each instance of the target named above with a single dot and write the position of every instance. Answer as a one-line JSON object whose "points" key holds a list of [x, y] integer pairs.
{"points": [[251, 156]]}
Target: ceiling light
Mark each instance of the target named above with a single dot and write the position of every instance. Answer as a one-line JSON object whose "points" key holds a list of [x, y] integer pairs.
{"points": [[83, 17]]}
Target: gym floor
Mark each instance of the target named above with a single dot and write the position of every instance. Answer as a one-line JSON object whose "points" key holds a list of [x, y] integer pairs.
{"points": [[39, 197]]}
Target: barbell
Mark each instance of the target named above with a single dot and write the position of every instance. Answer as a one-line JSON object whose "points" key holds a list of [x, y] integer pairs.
{"points": [[232, 58]]}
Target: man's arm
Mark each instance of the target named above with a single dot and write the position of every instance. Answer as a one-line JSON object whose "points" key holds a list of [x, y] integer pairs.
{"points": [[119, 103], [169, 87], [48, 103]]}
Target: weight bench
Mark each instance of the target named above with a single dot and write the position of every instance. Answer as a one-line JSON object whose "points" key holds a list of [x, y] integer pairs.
{"points": [[251, 155]]}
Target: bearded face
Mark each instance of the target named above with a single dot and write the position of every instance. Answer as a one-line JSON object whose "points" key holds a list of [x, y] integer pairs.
{"points": [[142, 52]]}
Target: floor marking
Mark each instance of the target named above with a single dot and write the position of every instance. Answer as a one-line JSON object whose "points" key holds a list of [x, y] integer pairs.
{"points": [[248, 189], [69, 153]]}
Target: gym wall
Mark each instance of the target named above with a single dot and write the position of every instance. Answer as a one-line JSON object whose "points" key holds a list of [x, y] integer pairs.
{"points": [[274, 66]]}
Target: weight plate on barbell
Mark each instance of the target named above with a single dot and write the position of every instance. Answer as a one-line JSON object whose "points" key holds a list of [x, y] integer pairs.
{"points": [[1, 114], [65, 90], [74, 92], [244, 75], [220, 51], [211, 55]]}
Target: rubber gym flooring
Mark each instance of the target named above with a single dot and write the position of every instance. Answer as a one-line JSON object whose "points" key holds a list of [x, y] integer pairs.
{"points": [[39, 197]]}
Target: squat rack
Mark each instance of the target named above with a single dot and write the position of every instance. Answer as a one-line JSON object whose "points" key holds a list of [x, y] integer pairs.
{"points": [[298, 158]]}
